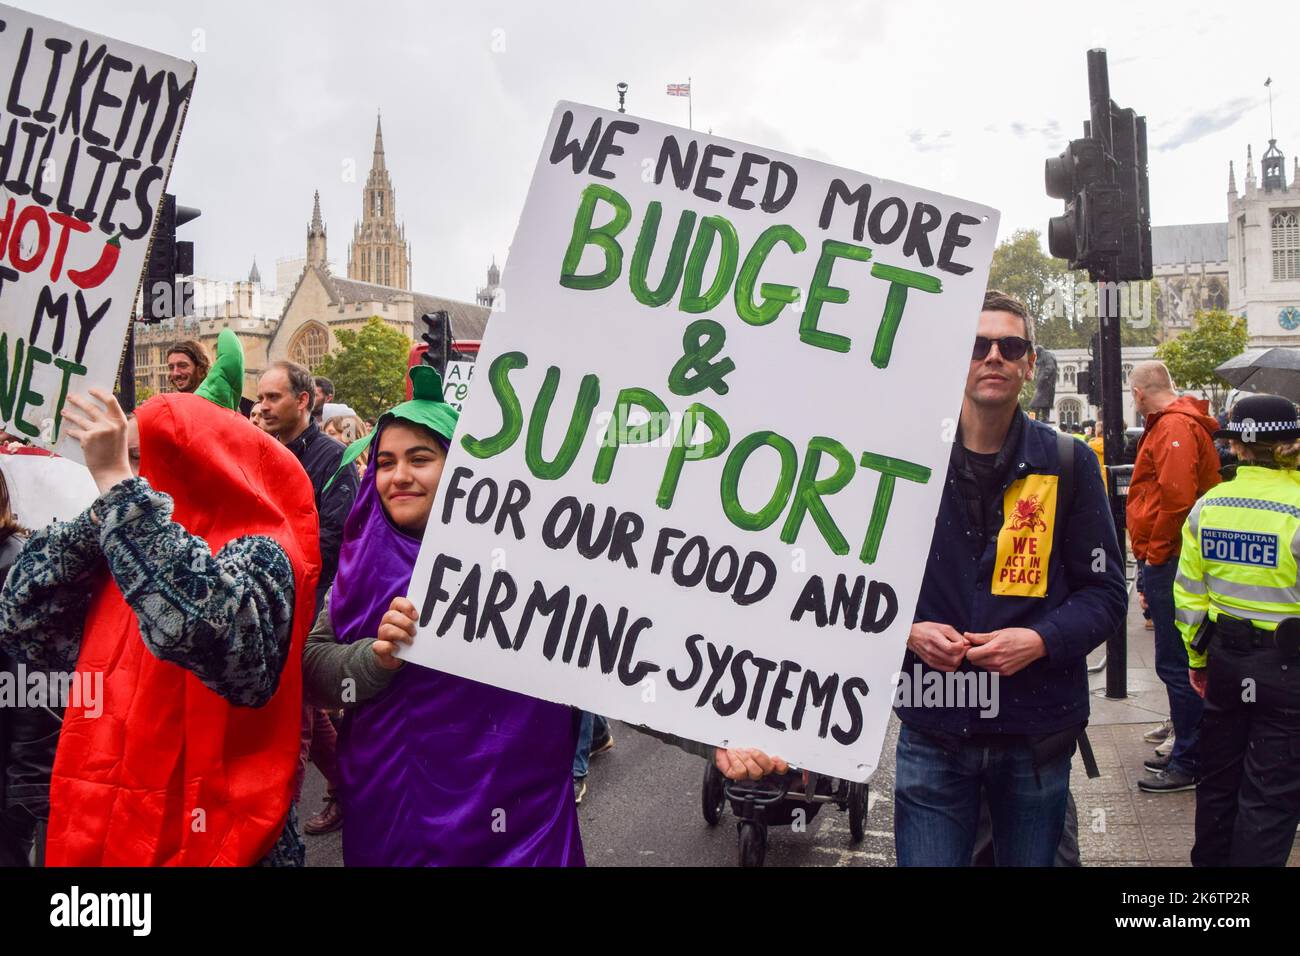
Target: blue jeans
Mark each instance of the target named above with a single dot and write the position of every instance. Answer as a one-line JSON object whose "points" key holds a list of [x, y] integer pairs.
{"points": [[937, 802], [1185, 705], [593, 727]]}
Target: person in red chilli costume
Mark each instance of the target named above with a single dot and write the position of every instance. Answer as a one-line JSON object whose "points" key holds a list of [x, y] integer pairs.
{"points": [[189, 585]]}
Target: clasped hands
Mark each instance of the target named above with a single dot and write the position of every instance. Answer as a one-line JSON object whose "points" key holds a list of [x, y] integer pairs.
{"points": [[1006, 651]]}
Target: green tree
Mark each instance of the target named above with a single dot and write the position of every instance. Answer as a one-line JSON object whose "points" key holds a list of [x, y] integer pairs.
{"points": [[369, 371], [1064, 302], [1215, 337]]}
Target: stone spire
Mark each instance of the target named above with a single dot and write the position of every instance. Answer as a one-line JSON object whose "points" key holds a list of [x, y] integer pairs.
{"points": [[1232, 180], [317, 227], [1250, 169], [379, 252], [254, 276], [316, 251], [379, 142]]}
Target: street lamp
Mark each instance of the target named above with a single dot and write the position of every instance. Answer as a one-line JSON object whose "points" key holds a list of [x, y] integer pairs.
{"points": [[622, 92]]}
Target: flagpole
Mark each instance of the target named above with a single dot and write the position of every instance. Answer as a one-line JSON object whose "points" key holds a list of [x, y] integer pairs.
{"points": [[690, 104], [1269, 84]]}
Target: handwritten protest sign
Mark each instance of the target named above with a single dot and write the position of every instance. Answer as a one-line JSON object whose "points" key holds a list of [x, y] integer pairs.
{"points": [[456, 381], [87, 134], [637, 517]]}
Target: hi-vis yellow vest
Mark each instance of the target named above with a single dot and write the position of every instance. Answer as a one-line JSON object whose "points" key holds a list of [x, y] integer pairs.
{"points": [[1239, 554]]}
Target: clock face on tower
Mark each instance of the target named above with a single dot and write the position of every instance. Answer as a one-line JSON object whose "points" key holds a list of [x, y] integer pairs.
{"points": [[1289, 317]]}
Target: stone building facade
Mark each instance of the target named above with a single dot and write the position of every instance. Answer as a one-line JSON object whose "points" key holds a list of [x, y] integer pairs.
{"points": [[1190, 269], [301, 319], [1071, 407], [246, 306], [1264, 249]]}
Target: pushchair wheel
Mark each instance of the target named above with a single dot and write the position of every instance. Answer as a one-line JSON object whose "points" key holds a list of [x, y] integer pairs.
{"points": [[713, 794], [858, 810], [753, 843]]}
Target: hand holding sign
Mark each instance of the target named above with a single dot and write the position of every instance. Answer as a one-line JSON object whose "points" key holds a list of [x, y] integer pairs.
{"points": [[747, 763], [101, 429], [396, 627]]}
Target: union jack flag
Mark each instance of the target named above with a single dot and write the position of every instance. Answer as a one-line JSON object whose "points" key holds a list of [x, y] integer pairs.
{"points": [[679, 89]]}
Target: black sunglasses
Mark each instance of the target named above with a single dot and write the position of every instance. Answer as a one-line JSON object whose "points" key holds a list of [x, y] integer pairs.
{"points": [[1010, 347]]}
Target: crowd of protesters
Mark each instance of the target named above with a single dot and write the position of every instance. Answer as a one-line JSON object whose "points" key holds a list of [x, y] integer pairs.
{"points": [[239, 580]]}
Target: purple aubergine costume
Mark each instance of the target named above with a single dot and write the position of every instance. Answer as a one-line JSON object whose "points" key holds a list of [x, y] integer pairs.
{"points": [[439, 770]]}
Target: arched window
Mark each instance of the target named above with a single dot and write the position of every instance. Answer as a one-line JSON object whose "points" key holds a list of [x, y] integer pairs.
{"points": [[310, 345], [1216, 299], [1069, 375], [1070, 412], [1286, 245], [1127, 369]]}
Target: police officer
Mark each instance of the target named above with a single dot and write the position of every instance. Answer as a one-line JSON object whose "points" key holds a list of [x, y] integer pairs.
{"points": [[1237, 594]]}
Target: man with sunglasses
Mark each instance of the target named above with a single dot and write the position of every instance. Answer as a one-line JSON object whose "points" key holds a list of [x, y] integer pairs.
{"points": [[1024, 578]]}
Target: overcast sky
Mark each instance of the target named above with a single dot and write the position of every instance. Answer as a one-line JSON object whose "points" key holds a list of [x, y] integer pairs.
{"points": [[965, 98]]}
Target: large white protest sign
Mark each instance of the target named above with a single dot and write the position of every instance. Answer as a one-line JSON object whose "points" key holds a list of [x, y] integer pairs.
{"points": [[639, 516], [88, 129]]}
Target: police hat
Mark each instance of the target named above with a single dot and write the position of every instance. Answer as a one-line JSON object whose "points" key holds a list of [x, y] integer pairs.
{"points": [[1262, 418]]}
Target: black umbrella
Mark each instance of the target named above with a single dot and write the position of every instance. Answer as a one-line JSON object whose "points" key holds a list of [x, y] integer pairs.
{"points": [[1274, 371]]}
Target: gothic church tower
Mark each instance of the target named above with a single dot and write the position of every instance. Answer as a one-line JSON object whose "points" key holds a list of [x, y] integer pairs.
{"points": [[379, 252]]}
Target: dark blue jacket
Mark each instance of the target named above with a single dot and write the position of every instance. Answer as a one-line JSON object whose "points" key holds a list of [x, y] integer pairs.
{"points": [[1086, 597], [320, 456]]}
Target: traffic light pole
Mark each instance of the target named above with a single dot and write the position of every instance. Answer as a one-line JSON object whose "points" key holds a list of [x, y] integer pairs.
{"points": [[1112, 398], [1112, 407]]}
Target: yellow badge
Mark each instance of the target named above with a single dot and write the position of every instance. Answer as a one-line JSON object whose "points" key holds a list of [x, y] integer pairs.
{"points": [[1025, 541]]}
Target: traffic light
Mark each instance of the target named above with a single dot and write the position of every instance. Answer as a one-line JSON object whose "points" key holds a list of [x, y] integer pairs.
{"points": [[1088, 380], [437, 336], [1129, 132], [1106, 225], [1088, 228], [168, 291]]}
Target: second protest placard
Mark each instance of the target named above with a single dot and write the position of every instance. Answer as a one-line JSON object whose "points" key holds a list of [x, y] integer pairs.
{"points": [[696, 482]]}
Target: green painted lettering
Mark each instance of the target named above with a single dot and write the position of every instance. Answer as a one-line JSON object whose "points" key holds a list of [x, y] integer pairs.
{"points": [[808, 495], [512, 415], [618, 432], [588, 396], [719, 438], [711, 228], [602, 237], [822, 291], [645, 247], [900, 280], [890, 469], [775, 297], [731, 506]]}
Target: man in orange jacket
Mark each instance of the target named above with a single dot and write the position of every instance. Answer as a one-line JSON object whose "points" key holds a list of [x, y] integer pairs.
{"points": [[1176, 464]]}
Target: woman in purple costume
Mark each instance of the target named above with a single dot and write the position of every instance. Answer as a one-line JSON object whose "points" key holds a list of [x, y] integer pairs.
{"points": [[435, 770]]}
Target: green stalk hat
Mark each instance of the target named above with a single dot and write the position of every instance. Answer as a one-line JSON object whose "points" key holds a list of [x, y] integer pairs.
{"points": [[225, 381], [427, 407]]}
